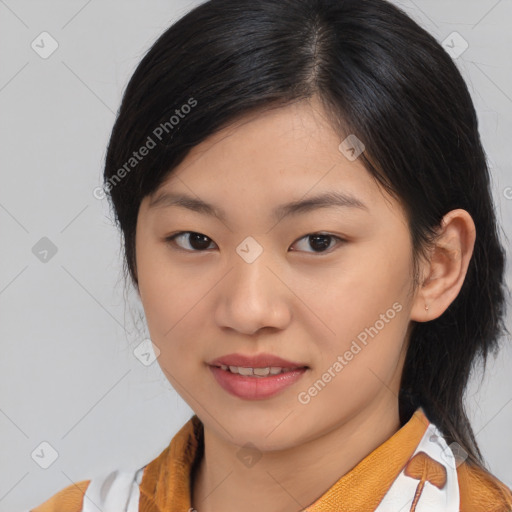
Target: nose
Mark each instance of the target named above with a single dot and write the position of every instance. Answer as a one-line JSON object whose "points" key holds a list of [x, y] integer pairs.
{"points": [[253, 297]]}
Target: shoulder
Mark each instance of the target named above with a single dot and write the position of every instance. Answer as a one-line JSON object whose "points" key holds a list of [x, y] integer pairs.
{"points": [[480, 491], [114, 490], [69, 499]]}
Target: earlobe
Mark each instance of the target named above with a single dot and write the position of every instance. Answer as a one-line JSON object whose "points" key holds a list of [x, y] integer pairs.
{"points": [[446, 269]]}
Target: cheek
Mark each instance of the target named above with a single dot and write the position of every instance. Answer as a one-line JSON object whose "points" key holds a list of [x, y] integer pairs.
{"points": [[365, 286], [158, 288], [364, 354], [172, 328], [367, 306], [172, 304]]}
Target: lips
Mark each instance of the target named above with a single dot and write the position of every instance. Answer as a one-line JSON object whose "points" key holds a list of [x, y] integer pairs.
{"points": [[258, 361]]}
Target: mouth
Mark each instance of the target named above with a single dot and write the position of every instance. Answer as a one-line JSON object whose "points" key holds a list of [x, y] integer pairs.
{"points": [[256, 377], [256, 383], [262, 364], [258, 372]]}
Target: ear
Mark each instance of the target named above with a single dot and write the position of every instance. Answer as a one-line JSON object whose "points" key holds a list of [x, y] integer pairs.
{"points": [[444, 273]]}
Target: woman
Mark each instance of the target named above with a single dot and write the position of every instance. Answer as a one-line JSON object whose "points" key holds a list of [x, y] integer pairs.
{"points": [[307, 218]]}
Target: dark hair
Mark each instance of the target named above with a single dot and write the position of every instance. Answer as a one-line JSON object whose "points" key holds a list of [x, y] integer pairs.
{"points": [[381, 77]]}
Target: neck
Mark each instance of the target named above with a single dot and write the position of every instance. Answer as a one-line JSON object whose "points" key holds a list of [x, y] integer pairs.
{"points": [[289, 480]]}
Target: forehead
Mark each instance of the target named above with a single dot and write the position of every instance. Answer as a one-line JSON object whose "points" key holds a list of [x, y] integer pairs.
{"points": [[284, 155]]}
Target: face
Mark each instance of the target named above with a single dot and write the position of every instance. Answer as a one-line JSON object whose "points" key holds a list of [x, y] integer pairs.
{"points": [[327, 286]]}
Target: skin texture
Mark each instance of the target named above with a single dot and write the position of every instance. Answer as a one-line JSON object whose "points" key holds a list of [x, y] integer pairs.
{"points": [[295, 300]]}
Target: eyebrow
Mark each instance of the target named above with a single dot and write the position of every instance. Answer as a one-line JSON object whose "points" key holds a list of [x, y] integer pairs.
{"points": [[326, 200]]}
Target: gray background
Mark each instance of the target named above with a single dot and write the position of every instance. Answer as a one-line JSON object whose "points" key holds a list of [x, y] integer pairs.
{"points": [[68, 327]]}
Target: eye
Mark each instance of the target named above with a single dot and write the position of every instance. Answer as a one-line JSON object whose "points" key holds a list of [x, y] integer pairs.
{"points": [[198, 242], [320, 241]]}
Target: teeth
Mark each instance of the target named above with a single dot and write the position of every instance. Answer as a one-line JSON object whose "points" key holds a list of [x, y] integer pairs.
{"points": [[258, 372], [262, 372]]}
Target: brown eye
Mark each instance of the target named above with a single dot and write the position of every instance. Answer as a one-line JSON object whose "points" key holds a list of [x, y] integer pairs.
{"points": [[319, 242], [197, 241]]}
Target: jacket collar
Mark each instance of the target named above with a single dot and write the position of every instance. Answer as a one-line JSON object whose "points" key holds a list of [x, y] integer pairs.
{"points": [[167, 480]]}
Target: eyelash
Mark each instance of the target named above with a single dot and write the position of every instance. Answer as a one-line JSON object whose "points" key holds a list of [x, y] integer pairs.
{"points": [[171, 241]]}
